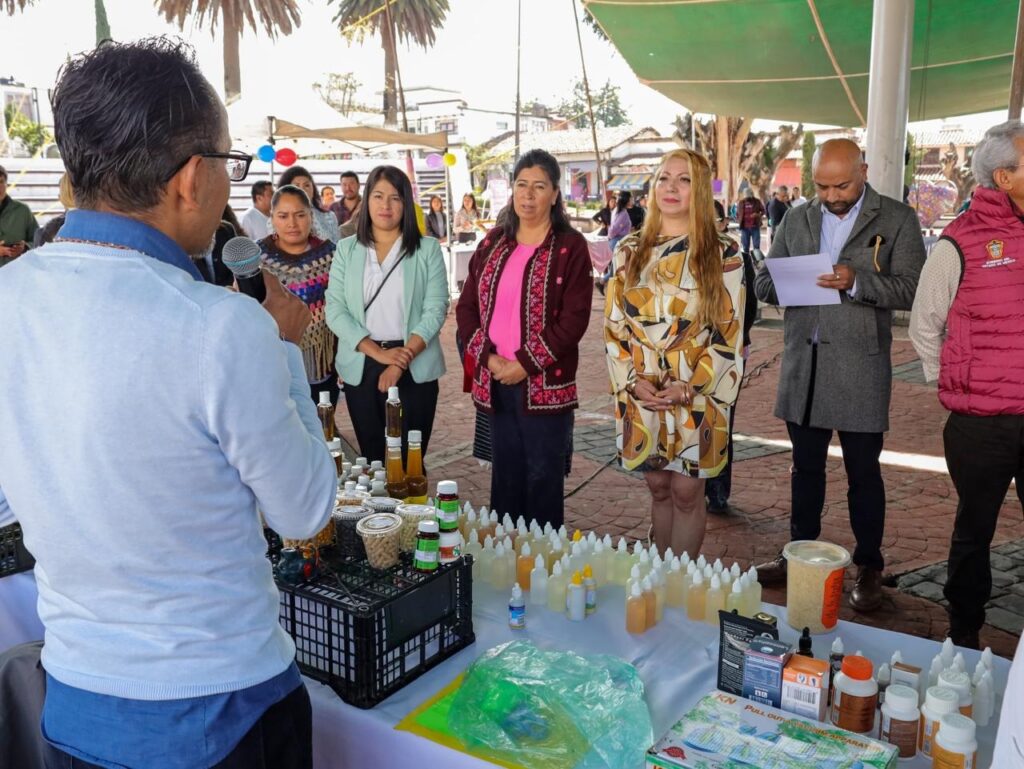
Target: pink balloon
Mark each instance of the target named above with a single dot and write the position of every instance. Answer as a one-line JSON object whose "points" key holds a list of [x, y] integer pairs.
{"points": [[435, 161]]}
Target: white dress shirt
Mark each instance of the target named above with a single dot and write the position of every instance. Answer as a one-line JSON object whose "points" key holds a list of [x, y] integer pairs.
{"points": [[256, 224], [385, 320]]}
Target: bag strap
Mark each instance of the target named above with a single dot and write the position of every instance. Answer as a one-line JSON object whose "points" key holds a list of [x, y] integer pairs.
{"points": [[383, 283]]}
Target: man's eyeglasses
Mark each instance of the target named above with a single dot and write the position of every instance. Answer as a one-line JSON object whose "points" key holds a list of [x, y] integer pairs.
{"points": [[236, 163]]}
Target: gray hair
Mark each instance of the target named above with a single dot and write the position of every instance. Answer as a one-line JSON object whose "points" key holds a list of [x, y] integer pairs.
{"points": [[996, 150]]}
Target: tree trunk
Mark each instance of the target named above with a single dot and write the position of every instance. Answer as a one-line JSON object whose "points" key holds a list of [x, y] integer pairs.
{"points": [[232, 65], [102, 25], [390, 77]]}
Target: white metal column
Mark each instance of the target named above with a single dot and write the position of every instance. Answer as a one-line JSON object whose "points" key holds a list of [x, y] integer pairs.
{"points": [[892, 37]]}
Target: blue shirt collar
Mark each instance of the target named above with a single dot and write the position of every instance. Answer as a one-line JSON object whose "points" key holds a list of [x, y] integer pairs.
{"points": [[117, 231]]}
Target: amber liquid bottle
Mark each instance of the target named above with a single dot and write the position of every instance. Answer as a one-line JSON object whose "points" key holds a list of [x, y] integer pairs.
{"points": [[415, 477], [325, 410], [393, 414], [396, 486]]}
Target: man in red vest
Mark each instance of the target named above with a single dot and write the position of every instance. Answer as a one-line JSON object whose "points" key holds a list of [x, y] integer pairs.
{"points": [[967, 326]]}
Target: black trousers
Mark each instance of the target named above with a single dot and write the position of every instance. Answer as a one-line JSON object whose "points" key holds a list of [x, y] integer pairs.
{"points": [[718, 489], [366, 408], [865, 493], [983, 455], [529, 453], [281, 739], [330, 385]]}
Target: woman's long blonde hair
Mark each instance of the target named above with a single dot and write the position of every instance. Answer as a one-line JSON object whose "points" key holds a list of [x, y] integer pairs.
{"points": [[705, 248]]}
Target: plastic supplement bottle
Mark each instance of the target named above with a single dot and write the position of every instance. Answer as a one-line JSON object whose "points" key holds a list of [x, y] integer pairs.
{"points": [[517, 609], [539, 582], [556, 589], [448, 505], [695, 601], [938, 702], [959, 682], [856, 696], [955, 745], [900, 720]]}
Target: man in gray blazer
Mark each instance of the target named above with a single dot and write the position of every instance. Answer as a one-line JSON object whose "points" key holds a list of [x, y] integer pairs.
{"points": [[836, 371]]}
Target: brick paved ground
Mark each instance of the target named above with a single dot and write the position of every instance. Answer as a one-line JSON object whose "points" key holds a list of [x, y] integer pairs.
{"points": [[921, 502]]}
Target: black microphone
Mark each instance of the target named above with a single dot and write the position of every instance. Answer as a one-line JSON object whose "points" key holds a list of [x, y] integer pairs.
{"points": [[242, 256]]}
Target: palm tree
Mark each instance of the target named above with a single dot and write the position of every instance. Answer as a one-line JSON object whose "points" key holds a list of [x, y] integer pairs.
{"points": [[275, 16], [408, 20], [102, 27]]}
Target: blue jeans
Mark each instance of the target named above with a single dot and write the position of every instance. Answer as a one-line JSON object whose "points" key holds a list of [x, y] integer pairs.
{"points": [[750, 235]]}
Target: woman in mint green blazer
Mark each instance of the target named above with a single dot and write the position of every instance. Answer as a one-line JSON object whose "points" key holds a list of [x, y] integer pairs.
{"points": [[387, 299]]}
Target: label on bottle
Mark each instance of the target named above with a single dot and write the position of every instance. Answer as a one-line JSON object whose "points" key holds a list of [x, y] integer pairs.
{"points": [[591, 600], [426, 555], [451, 546], [448, 514], [929, 728], [902, 734], [946, 759], [853, 713], [517, 617]]}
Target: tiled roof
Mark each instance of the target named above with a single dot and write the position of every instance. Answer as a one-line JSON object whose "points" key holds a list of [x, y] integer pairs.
{"points": [[572, 141]]}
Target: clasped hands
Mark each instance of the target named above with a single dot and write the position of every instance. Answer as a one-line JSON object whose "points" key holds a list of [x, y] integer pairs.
{"points": [[10, 250], [397, 360], [669, 396], [507, 372]]}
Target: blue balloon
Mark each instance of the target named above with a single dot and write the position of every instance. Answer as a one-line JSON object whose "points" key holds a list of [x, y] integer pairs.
{"points": [[265, 153]]}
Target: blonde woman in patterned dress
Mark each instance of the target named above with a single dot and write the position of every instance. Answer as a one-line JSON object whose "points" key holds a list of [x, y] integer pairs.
{"points": [[674, 333]]}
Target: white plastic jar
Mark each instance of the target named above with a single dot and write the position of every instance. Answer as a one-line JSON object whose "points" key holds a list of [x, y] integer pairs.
{"points": [[856, 696], [900, 720], [960, 683], [955, 746], [938, 702]]}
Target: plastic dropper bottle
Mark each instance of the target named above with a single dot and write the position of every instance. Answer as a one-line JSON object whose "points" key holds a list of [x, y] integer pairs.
{"points": [[524, 565], [638, 547], [650, 602], [599, 564], [714, 601], [517, 609], [499, 573], [555, 554], [589, 590], [674, 585], [734, 601], [576, 599], [636, 611], [473, 546], [393, 415], [539, 582], [468, 524], [576, 560], [486, 562], [556, 589], [620, 563], [695, 601], [658, 583], [753, 593]]}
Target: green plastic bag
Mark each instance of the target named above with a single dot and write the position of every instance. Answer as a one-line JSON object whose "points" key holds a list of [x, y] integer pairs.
{"points": [[552, 710]]}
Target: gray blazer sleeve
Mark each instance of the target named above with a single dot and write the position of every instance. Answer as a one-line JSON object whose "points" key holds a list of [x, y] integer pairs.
{"points": [[895, 291], [764, 286]]}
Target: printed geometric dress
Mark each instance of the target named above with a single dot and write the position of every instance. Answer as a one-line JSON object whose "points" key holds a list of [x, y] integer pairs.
{"points": [[651, 333], [306, 276]]}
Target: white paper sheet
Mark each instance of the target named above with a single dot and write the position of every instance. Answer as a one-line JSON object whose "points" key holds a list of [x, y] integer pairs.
{"points": [[796, 280]]}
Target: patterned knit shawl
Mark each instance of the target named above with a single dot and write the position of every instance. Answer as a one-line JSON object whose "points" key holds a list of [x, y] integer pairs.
{"points": [[306, 276]]}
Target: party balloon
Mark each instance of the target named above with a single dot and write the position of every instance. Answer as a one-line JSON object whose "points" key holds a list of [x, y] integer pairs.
{"points": [[265, 153], [449, 159], [434, 161], [286, 156]]}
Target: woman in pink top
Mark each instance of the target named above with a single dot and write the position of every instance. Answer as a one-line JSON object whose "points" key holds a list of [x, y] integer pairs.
{"points": [[523, 310]]}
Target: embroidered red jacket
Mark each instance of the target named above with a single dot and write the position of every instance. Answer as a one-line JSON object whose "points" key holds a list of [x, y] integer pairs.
{"points": [[557, 294]]}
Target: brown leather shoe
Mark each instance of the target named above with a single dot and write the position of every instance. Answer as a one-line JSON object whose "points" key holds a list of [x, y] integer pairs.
{"points": [[867, 590], [772, 572]]}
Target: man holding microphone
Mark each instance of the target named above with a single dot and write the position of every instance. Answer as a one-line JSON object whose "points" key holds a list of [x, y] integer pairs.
{"points": [[147, 417]]}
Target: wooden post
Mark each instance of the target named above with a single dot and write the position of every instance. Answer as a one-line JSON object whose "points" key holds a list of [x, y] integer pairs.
{"points": [[1017, 73]]}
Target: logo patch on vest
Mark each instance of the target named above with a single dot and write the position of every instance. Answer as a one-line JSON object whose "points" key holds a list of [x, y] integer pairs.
{"points": [[994, 249]]}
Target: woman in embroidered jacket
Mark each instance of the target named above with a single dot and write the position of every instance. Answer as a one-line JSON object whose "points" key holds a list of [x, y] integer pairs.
{"points": [[674, 332], [523, 310], [302, 262]]}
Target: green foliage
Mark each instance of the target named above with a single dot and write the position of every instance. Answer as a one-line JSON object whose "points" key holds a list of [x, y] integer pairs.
{"points": [[591, 22], [807, 150], [102, 25], [607, 107], [415, 21], [338, 91], [33, 135]]}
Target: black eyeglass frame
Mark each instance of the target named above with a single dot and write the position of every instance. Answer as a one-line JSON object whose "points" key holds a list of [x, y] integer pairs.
{"points": [[241, 156]]}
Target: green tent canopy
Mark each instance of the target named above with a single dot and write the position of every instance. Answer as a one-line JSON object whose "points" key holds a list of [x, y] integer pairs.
{"points": [[771, 58]]}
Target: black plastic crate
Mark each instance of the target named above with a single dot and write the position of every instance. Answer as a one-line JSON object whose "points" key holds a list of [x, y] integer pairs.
{"points": [[367, 633], [14, 558]]}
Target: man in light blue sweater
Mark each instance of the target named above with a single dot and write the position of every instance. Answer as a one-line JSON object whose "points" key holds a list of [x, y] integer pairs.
{"points": [[146, 417]]}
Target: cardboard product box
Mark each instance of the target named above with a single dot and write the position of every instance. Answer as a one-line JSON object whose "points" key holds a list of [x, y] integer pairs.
{"points": [[763, 663], [805, 687], [728, 732], [905, 674]]}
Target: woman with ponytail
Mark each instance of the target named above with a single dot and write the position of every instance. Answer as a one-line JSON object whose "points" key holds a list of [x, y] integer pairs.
{"points": [[674, 335]]}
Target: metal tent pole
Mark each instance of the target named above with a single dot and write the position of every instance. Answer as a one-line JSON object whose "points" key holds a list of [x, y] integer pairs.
{"points": [[892, 37], [1017, 76]]}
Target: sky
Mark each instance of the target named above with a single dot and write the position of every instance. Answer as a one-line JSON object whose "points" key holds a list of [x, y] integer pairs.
{"points": [[474, 53]]}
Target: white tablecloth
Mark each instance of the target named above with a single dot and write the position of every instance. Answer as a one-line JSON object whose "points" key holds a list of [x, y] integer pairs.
{"points": [[677, 661]]}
